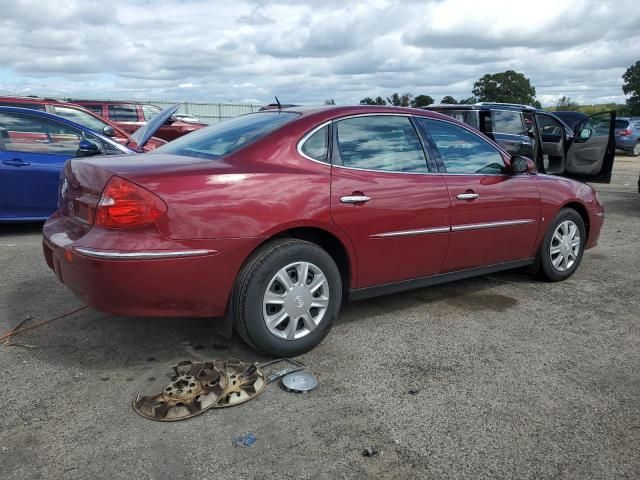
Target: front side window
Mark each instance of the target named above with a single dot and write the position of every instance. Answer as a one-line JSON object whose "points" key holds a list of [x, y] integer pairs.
{"points": [[228, 136], [380, 142], [123, 113], [316, 146], [83, 118], [507, 122], [461, 150], [30, 134]]}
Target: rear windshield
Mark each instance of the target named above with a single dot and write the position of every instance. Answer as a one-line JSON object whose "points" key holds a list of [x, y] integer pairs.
{"points": [[622, 124], [226, 137]]}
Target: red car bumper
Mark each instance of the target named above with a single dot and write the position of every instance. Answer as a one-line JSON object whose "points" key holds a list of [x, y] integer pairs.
{"points": [[155, 277]]}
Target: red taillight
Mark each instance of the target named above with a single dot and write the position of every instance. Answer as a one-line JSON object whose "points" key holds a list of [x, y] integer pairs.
{"points": [[125, 204], [624, 133]]}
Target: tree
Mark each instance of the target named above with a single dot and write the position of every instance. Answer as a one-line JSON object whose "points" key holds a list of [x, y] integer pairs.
{"points": [[421, 101], [399, 100], [468, 101], [505, 87], [329, 101], [565, 103], [448, 100], [373, 101], [632, 87]]}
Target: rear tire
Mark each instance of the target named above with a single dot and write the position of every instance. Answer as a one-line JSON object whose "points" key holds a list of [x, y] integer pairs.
{"points": [[635, 151], [563, 245], [276, 310]]}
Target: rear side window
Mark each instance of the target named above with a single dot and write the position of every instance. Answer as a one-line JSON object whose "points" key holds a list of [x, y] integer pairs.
{"points": [[316, 146], [380, 142], [97, 109], [32, 106], [622, 124], [470, 117], [462, 151], [226, 137], [123, 113], [507, 122], [30, 134]]}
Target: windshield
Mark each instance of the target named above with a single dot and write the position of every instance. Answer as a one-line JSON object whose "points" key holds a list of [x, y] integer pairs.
{"points": [[622, 124], [228, 136], [83, 118]]}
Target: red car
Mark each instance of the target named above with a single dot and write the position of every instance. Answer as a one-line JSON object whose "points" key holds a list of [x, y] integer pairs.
{"points": [[130, 117], [271, 219], [82, 116]]}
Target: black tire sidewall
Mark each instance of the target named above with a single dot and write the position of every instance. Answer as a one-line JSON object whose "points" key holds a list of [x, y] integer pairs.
{"points": [[261, 273], [547, 268]]}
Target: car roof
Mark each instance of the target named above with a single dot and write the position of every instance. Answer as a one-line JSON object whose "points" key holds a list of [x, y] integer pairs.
{"points": [[482, 106]]}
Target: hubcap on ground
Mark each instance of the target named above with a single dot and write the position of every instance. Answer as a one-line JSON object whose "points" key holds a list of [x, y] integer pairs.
{"points": [[295, 301], [565, 246]]}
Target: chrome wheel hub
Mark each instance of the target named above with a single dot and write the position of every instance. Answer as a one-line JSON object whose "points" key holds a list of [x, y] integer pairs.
{"points": [[295, 301], [565, 246]]}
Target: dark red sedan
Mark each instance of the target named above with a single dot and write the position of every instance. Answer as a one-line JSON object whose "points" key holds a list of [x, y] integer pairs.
{"points": [[271, 219]]}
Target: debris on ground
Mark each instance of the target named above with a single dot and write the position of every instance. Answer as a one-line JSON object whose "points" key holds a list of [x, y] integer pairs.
{"points": [[413, 391], [246, 440], [369, 452], [19, 328], [196, 387]]}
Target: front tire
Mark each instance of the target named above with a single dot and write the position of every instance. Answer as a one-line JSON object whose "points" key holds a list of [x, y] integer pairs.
{"points": [[563, 245], [287, 297]]}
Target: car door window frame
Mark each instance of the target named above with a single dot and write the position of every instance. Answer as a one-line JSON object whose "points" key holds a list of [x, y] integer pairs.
{"points": [[336, 157], [440, 161]]}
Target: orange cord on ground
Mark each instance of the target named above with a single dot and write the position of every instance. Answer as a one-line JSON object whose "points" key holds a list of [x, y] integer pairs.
{"points": [[12, 332]]}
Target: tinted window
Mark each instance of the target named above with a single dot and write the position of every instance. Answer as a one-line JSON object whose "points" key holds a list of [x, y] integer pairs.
{"points": [[316, 146], [83, 118], [25, 133], [32, 106], [97, 109], [470, 117], [225, 137], [149, 111], [123, 113], [461, 150], [622, 124], [507, 122], [381, 142]]}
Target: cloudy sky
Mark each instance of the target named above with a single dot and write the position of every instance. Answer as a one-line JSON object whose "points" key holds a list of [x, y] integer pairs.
{"points": [[305, 51]]}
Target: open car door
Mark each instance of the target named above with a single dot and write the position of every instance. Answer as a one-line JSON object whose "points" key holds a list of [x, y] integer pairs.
{"points": [[590, 155]]}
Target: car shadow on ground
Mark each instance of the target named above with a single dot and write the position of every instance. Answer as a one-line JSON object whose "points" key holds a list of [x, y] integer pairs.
{"points": [[20, 229]]}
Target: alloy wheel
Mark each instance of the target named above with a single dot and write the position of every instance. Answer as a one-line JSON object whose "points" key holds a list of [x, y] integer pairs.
{"points": [[295, 301], [565, 246]]}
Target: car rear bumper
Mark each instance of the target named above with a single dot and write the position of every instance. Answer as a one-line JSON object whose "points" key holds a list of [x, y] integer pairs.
{"points": [[157, 277]]}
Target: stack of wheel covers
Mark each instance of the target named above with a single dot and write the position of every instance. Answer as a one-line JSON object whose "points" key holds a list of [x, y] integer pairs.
{"points": [[196, 387]]}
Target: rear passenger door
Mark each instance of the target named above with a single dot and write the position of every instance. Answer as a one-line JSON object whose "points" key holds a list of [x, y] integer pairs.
{"points": [[384, 197], [590, 155], [125, 116], [494, 213]]}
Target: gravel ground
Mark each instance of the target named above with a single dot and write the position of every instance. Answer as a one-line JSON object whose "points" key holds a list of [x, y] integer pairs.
{"points": [[515, 378]]}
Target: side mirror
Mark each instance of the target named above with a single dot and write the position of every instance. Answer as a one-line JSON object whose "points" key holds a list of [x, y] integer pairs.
{"points": [[109, 131], [521, 164], [87, 149], [169, 121], [585, 134]]}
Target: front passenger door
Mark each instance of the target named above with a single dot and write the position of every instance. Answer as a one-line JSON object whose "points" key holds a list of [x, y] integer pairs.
{"points": [[494, 214]]}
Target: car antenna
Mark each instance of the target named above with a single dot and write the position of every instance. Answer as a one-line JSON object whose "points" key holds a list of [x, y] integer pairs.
{"points": [[278, 102]]}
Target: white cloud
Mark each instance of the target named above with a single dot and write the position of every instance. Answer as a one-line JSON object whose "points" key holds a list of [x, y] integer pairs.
{"points": [[310, 50]]}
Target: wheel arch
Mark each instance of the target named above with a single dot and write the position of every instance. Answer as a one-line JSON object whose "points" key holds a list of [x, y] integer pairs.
{"points": [[583, 212]]}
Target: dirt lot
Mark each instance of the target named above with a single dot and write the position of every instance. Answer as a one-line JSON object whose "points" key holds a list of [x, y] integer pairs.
{"points": [[515, 378]]}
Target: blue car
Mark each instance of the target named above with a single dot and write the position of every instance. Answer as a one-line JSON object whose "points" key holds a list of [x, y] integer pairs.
{"points": [[628, 135], [33, 148]]}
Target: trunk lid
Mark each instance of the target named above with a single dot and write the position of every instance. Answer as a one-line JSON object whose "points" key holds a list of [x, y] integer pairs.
{"points": [[148, 130]]}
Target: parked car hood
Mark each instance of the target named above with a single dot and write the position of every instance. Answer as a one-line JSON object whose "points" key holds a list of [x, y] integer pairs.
{"points": [[145, 132]]}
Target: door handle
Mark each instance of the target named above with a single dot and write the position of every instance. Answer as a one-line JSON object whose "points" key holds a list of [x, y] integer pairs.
{"points": [[16, 162], [467, 196], [354, 199]]}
